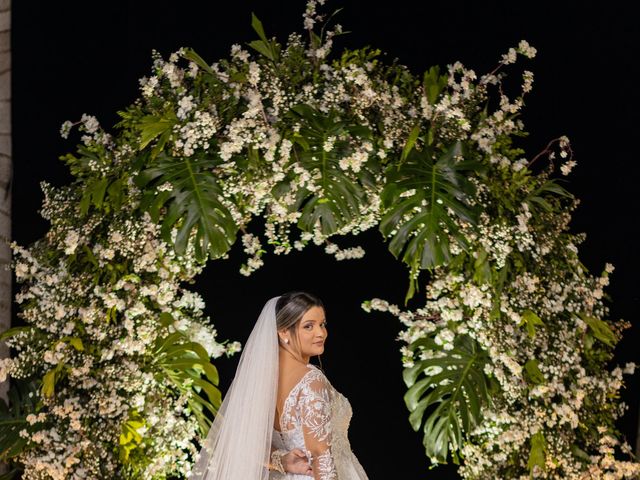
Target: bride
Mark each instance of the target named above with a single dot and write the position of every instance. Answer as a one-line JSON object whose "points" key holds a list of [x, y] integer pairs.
{"points": [[281, 418]]}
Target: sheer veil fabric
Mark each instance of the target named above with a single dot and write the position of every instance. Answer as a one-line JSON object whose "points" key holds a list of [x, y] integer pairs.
{"points": [[238, 444]]}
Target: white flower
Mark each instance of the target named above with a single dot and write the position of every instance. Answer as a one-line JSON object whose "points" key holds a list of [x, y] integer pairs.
{"points": [[445, 337], [567, 167], [65, 129], [90, 123], [509, 57], [185, 105], [6, 365], [238, 53], [527, 50], [71, 242], [328, 144], [21, 270]]}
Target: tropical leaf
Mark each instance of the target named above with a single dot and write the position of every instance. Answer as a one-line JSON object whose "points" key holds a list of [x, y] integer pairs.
{"points": [[531, 321], [269, 49], [22, 402], [422, 198], [537, 453], [600, 330], [433, 84], [194, 202], [538, 199], [186, 365], [190, 54], [338, 201], [449, 397], [154, 126], [532, 371], [130, 438], [15, 331], [103, 193]]}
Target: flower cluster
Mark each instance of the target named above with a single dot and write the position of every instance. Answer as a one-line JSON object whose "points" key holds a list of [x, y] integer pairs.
{"points": [[246, 122], [92, 296], [522, 294], [318, 147]]}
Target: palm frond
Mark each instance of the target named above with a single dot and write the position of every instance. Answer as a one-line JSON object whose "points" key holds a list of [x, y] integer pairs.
{"points": [[450, 396], [193, 202], [186, 365], [22, 401], [342, 192], [422, 198]]}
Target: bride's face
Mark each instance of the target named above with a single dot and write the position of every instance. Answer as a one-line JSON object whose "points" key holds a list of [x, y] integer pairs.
{"points": [[312, 332]]}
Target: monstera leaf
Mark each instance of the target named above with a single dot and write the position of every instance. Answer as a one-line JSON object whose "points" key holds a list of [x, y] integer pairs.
{"points": [[193, 202], [22, 402], [450, 395], [422, 196], [186, 365], [342, 192]]}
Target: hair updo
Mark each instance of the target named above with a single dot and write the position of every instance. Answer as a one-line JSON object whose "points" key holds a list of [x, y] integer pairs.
{"points": [[290, 308]]}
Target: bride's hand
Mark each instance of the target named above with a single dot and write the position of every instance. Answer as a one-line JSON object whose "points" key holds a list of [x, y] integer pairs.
{"points": [[296, 462]]}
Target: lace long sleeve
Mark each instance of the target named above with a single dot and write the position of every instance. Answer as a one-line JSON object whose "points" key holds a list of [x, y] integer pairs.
{"points": [[314, 404]]}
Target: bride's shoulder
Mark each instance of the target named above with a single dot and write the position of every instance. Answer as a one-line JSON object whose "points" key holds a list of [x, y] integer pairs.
{"points": [[314, 374]]}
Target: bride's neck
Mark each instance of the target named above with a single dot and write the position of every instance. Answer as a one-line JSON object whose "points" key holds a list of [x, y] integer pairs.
{"points": [[289, 358]]}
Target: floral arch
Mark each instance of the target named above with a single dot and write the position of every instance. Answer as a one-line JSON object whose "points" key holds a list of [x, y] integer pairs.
{"points": [[505, 363]]}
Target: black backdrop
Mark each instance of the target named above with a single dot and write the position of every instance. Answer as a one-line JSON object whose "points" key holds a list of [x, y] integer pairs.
{"points": [[75, 57]]}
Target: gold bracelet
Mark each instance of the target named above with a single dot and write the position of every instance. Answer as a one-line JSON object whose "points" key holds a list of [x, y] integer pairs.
{"points": [[276, 460]]}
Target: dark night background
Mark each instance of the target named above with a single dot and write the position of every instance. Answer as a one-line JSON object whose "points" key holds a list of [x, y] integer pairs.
{"points": [[74, 57]]}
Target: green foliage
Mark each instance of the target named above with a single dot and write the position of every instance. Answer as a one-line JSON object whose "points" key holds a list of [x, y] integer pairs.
{"points": [[538, 199], [22, 402], [533, 373], [15, 331], [48, 386], [531, 321], [449, 397], [190, 54], [339, 200], [537, 453], [268, 48], [186, 365], [433, 84], [130, 439], [194, 202], [418, 196], [155, 126], [599, 329]]}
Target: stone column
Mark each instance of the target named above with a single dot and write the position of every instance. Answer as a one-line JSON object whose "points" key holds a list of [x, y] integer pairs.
{"points": [[5, 176]]}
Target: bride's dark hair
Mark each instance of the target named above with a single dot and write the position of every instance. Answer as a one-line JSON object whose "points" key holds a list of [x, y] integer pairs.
{"points": [[290, 308]]}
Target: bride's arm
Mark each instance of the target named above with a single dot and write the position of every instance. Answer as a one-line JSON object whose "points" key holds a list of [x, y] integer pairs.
{"points": [[315, 412]]}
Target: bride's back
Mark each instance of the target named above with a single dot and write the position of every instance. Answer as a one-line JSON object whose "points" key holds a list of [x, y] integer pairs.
{"points": [[290, 374]]}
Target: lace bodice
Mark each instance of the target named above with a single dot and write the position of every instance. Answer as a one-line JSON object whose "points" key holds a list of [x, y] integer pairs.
{"points": [[315, 418]]}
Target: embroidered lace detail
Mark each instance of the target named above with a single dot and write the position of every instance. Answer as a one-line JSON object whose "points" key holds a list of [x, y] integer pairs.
{"points": [[314, 410], [326, 466], [288, 416], [314, 406], [315, 417]]}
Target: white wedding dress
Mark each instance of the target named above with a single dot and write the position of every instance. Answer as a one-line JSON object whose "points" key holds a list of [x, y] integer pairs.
{"points": [[316, 413]]}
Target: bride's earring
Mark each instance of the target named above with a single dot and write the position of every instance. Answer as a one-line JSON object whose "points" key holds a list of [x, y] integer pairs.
{"points": [[286, 340]]}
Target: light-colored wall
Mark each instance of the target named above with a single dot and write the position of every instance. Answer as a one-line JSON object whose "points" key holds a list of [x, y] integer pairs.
{"points": [[5, 175]]}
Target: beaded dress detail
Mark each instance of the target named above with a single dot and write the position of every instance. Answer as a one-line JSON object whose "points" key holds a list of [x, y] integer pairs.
{"points": [[316, 416]]}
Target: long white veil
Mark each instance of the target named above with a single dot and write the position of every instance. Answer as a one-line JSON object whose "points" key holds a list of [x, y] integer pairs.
{"points": [[238, 444]]}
